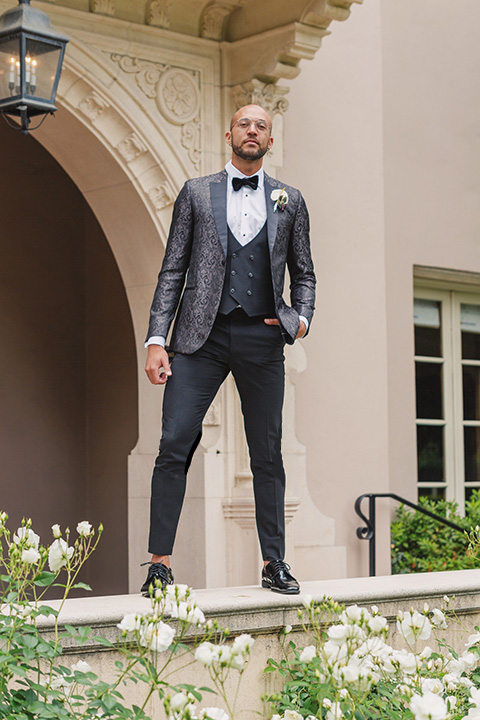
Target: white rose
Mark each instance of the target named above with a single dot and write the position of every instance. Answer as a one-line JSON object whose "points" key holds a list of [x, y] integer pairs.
{"points": [[308, 654], [438, 619], [56, 532], [178, 701], [157, 636], [196, 616], [287, 629], [26, 537], [30, 555], [335, 712], [414, 626], [473, 714], [475, 696], [213, 714], [81, 666], [433, 685], [84, 528], [224, 654], [377, 624], [129, 623], [354, 613], [59, 554], [472, 640], [243, 643], [179, 592], [292, 715], [205, 654], [428, 707]]}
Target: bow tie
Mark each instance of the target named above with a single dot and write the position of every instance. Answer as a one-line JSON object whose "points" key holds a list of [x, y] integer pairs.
{"points": [[240, 182]]}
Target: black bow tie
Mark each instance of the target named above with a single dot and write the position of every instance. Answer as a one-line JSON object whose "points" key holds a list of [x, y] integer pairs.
{"points": [[240, 182]]}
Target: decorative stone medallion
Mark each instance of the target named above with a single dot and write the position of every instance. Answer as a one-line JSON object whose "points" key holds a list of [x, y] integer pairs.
{"points": [[178, 96]]}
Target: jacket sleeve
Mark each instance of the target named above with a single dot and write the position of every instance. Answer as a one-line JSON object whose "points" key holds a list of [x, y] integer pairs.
{"points": [[300, 264], [175, 264]]}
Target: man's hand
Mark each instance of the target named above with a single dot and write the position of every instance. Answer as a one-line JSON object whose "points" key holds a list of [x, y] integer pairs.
{"points": [[301, 329], [157, 366]]}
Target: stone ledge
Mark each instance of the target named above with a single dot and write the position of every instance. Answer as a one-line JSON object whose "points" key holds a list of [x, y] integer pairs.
{"points": [[260, 610]]}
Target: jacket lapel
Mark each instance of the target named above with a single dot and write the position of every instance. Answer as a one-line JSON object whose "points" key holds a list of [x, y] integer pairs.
{"points": [[218, 198], [272, 217]]}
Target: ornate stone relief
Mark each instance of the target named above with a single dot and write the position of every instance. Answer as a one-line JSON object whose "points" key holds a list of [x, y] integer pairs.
{"points": [[177, 95], [213, 19], [102, 7], [131, 147], [160, 196], [212, 417], [158, 13], [92, 106], [269, 95]]}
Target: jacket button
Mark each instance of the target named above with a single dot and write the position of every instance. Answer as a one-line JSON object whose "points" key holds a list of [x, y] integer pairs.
{"points": [[232, 290], [234, 255], [252, 257], [250, 275], [249, 292], [234, 272]]}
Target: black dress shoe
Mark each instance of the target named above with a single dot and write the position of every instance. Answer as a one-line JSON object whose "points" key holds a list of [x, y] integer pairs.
{"points": [[159, 575], [276, 576]]}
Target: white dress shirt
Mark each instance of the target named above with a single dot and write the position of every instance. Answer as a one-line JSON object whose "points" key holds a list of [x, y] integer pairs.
{"points": [[246, 215]]}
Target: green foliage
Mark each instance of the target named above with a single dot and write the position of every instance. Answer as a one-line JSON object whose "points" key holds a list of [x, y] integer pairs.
{"points": [[37, 681], [351, 672], [422, 544]]}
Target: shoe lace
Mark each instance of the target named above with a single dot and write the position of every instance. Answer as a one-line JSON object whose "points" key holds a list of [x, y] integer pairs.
{"points": [[276, 567]]}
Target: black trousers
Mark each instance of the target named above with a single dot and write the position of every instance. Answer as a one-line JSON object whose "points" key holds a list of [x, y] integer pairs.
{"points": [[253, 352]]}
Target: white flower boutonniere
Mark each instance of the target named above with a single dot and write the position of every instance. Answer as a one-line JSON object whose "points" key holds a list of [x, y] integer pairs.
{"points": [[280, 198]]}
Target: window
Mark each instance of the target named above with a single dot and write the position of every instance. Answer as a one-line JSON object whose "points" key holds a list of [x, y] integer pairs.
{"points": [[447, 379]]}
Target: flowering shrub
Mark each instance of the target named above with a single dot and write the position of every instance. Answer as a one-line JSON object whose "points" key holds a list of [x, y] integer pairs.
{"points": [[351, 672], [37, 682], [422, 544]]}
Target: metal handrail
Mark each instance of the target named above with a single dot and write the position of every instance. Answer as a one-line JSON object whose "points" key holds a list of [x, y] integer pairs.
{"points": [[369, 531]]}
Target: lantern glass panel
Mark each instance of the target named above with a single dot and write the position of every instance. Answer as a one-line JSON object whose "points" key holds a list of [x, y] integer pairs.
{"points": [[41, 64], [9, 67]]}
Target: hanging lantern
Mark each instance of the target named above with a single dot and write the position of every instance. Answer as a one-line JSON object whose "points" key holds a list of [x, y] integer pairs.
{"points": [[31, 56]]}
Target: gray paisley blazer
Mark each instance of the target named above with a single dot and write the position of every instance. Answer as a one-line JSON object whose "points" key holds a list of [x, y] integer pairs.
{"points": [[191, 279]]}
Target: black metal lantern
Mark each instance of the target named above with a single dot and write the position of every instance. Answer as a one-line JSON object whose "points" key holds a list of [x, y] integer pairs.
{"points": [[31, 56]]}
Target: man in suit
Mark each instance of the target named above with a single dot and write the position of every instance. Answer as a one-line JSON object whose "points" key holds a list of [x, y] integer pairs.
{"points": [[232, 236]]}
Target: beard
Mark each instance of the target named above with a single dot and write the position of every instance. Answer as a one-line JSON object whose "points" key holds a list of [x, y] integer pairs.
{"points": [[249, 153]]}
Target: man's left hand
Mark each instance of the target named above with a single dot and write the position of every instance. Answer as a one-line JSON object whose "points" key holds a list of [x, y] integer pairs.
{"points": [[301, 329]]}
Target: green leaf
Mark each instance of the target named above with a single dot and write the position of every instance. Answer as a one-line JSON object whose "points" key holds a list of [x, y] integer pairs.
{"points": [[81, 586], [44, 579]]}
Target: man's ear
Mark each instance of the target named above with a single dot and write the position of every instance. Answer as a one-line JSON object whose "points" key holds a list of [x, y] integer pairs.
{"points": [[228, 137]]}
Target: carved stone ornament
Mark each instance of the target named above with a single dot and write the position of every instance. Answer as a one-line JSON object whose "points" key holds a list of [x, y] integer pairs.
{"points": [[92, 106], [102, 7], [213, 19], [131, 147], [158, 13], [147, 74], [268, 95], [191, 141], [212, 417], [160, 196], [178, 96]]}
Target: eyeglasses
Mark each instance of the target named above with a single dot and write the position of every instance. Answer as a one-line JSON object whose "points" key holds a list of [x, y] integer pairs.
{"points": [[246, 123]]}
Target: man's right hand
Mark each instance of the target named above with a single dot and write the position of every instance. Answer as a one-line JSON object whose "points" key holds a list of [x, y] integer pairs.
{"points": [[157, 366]]}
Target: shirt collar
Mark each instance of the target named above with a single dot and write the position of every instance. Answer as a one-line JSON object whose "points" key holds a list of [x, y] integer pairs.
{"points": [[233, 172]]}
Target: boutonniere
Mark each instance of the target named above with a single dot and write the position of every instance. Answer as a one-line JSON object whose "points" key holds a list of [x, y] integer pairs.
{"points": [[280, 198]]}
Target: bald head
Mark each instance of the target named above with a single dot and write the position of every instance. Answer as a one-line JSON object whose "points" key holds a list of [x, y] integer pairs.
{"points": [[253, 112]]}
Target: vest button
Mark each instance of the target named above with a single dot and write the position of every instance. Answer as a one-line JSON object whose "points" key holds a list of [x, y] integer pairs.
{"points": [[234, 255], [252, 257], [250, 275], [234, 272], [249, 292]]}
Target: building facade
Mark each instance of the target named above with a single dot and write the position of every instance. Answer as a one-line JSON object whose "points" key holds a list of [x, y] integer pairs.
{"points": [[379, 132]]}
